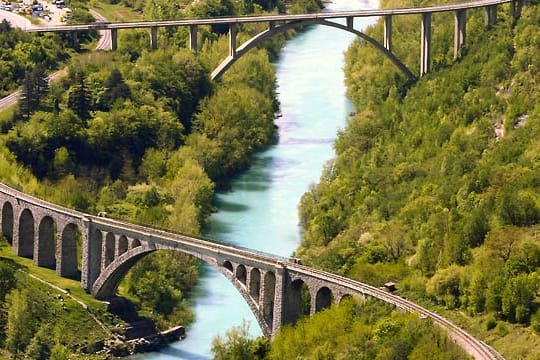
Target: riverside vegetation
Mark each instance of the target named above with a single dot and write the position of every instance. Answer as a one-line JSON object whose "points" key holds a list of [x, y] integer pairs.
{"points": [[442, 196], [142, 135], [440, 178]]}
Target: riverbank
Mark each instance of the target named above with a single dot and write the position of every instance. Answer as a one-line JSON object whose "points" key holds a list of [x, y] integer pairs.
{"points": [[259, 210]]}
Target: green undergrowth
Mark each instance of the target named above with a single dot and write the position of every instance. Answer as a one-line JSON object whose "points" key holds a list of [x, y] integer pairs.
{"points": [[41, 320]]}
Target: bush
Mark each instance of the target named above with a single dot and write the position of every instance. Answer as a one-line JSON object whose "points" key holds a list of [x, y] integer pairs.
{"points": [[491, 323], [535, 321]]}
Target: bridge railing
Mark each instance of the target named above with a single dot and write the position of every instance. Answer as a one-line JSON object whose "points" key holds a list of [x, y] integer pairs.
{"points": [[160, 231]]}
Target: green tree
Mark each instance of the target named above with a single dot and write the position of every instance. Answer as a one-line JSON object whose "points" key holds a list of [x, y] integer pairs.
{"points": [[7, 280], [518, 297], [20, 325], [238, 345], [115, 88], [180, 81], [35, 87], [79, 97]]}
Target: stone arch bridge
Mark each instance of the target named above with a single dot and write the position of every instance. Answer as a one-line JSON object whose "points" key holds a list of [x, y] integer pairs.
{"points": [[280, 23], [51, 235]]}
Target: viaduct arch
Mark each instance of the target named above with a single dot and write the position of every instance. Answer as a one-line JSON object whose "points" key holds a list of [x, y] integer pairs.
{"points": [[277, 289]]}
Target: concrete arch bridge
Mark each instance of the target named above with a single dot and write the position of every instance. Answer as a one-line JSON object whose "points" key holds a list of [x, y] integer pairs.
{"points": [[280, 23], [271, 285]]}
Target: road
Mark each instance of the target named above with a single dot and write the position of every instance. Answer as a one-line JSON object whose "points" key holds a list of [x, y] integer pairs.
{"points": [[16, 20], [275, 18], [22, 22]]}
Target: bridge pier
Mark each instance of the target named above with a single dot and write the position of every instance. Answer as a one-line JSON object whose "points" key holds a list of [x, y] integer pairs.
{"points": [[460, 24], [232, 40], [388, 32], [114, 39], [515, 8], [350, 22], [278, 311], [490, 17], [425, 44], [86, 281], [193, 46], [74, 40], [153, 37]]}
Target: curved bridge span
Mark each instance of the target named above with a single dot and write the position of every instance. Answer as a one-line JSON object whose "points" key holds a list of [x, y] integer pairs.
{"points": [[280, 23], [270, 284]]}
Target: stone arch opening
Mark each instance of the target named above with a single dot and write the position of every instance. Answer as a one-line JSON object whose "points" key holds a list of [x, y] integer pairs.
{"points": [[298, 300], [7, 221], [255, 284], [26, 234], [227, 265], [135, 243], [96, 240], [269, 295], [70, 253], [345, 298], [324, 299], [110, 241], [46, 243], [241, 274], [122, 245]]}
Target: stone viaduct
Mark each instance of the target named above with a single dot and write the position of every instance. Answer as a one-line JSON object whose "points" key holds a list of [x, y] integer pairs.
{"points": [[281, 23], [99, 251]]}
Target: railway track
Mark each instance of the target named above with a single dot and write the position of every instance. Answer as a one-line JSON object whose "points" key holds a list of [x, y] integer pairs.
{"points": [[473, 346]]}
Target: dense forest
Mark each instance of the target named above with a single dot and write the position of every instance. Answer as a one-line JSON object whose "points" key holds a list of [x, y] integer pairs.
{"points": [[442, 196], [441, 175], [142, 135]]}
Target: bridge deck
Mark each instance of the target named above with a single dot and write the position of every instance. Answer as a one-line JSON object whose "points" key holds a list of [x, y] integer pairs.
{"points": [[271, 18]]}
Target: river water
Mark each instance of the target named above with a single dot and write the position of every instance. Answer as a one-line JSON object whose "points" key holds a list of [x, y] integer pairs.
{"points": [[259, 211]]}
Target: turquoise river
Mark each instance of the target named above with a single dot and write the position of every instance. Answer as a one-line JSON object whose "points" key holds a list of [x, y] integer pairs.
{"points": [[259, 211]]}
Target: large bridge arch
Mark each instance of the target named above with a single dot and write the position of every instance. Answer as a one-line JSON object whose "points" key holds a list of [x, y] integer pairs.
{"points": [[274, 30], [248, 286]]}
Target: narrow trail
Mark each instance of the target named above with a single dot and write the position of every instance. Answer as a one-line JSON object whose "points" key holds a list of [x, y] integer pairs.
{"points": [[77, 300]]}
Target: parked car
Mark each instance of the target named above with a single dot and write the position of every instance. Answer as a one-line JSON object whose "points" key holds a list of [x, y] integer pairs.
{"points": [[37, 8]]}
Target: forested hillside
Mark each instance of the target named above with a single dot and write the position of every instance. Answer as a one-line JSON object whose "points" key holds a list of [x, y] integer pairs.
{"points": [[141, 135], [441, 177]]}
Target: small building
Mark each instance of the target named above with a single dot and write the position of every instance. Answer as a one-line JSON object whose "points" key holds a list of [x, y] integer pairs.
{"points": [[390, 286]]}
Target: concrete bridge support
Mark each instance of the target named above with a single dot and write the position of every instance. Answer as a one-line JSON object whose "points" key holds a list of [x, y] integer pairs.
{"points": [[490, 17], [193, 30], [74, 39], [515, 8], [425, 44], [350, 22], [153, 37], [114, 39], [460, 24], [388, 32], [232, 40]]}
